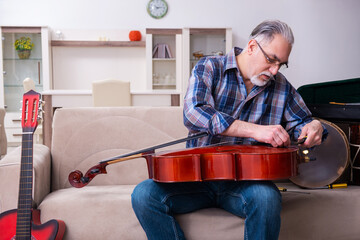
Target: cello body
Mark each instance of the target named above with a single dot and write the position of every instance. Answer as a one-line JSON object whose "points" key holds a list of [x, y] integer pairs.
{"points": [[230, 162]]}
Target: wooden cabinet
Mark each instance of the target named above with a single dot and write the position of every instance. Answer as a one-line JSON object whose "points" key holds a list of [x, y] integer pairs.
{"points": [[15, 69]]}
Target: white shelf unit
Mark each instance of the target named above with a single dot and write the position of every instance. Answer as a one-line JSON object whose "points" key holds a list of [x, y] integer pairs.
{"points": [[14, 70], [164, 73], [207, 41]]}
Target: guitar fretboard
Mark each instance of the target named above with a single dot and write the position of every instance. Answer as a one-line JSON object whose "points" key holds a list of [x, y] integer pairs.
{"points": [[23, 222]]}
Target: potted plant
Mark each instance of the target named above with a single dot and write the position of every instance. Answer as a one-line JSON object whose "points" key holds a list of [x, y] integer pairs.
{"points": [[23, 46]]}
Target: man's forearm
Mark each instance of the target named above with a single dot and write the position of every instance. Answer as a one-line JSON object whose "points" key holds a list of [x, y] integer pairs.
{"points": [[275, 135], [240, 129]]}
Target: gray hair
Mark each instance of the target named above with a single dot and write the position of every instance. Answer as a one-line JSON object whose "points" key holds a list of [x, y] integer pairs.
{"points": [[265, 31]]}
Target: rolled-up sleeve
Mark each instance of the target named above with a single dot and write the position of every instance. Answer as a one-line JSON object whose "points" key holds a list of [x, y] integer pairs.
{"points": [[297, 115]]}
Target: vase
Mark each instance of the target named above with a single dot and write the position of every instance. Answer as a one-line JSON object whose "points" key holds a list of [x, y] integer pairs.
{"points": [[24, 54]]}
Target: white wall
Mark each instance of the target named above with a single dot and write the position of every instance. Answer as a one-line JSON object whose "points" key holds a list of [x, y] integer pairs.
{"points": [[327, 32]]}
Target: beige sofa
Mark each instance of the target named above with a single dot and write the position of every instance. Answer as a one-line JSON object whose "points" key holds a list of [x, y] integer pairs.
{"points": [[102, 210], [3, 139]]}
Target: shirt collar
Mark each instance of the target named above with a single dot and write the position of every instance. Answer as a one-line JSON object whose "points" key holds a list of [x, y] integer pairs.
{"points": [[231, 58]]}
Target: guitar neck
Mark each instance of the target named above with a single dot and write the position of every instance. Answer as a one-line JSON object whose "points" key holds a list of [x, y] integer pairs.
{"points": [[23, 222]]}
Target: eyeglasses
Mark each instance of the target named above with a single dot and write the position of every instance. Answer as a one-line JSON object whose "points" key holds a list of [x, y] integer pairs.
{"points": [[271, 60]]}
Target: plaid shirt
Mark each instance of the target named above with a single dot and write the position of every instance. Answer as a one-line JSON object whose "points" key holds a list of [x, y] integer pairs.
{"points": [[217, 95]]}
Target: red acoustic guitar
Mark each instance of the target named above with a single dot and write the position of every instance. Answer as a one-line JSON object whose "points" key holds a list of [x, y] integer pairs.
{"points": [[24, 222]]}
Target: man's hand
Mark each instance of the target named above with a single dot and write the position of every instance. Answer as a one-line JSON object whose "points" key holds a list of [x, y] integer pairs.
{"points": [[313, 131], [275, 135]]}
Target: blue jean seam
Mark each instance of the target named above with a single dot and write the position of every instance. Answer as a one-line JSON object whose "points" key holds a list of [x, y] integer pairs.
{"points": [[238, 196], [244, 202], [172, 222]]}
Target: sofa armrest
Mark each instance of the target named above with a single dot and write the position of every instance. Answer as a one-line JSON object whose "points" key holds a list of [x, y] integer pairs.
{"points": [[10, 175]]}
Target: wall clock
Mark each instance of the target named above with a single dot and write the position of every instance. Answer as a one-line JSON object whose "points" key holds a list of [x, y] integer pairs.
{"points": [[157, 8]]}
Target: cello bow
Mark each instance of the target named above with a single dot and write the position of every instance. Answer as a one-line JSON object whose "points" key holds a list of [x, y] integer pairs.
{"points": [[78, 180]]}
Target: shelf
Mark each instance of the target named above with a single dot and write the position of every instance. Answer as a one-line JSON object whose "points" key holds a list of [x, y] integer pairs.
{"points": [[23, 29], [13, 85], [156, 92], [59, 92], [164, 86], [164, 59], [28, 59], [208, 31], [20, 85], [162, 31], [59, 43], [67, 92]]}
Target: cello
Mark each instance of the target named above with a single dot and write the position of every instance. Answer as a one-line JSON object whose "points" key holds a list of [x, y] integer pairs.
{"points": [[222, 162]]}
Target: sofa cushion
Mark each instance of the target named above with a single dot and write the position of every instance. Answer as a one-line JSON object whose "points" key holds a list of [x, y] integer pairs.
{"points": [[94, 212], [330, 214], [82, 137], [107, 213], [10, 175], [3, 139]]}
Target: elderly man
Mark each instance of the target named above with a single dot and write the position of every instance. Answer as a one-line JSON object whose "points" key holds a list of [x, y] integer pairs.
{"points": [[240, 98]]}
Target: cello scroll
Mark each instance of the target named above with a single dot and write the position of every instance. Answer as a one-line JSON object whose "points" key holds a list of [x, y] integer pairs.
{"points": [[78, 180]]}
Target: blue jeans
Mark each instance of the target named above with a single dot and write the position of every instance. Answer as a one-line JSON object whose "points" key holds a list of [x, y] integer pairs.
{"points": [[259, 202]]}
